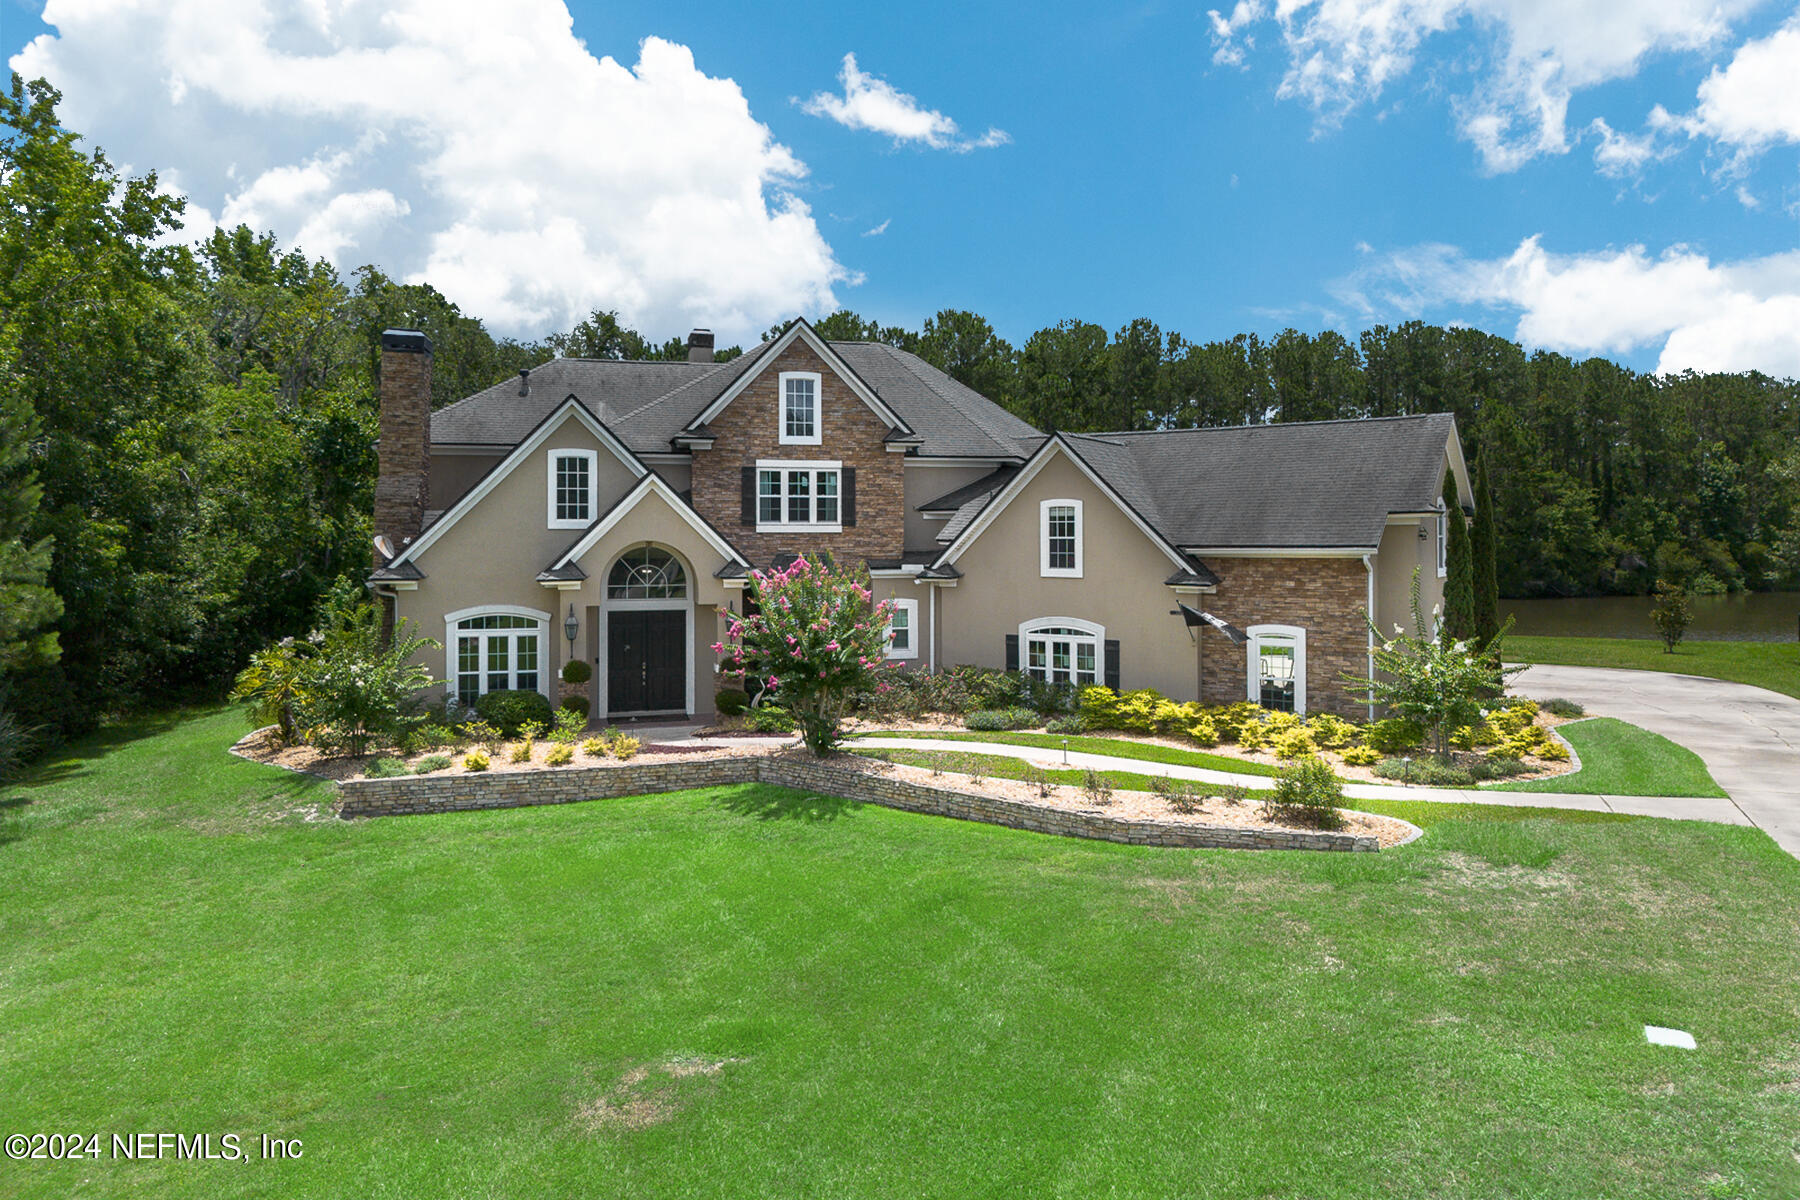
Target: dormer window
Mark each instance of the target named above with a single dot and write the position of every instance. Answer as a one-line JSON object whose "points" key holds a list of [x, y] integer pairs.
{"points": [[572, 478], [800, 423]]}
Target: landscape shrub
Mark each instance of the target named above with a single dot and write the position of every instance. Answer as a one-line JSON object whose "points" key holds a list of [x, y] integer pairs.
{"points": [[1509, 721], [275, 685], [568, 727], [430, 763], [1098, 788], [769, 718], [384, 768], [1074, 723], [1254, 733], [480, 733], [729, 702], [1496, 766], [575, 704], [560, 755], [1552, 751], [1309, 793], [1361, 756], [1425, 771], [510, 709], [594, 747], [475, 760], [1567, 709], [1233, 794], [1203, 732], [1036, 778], [1331, 732], [1293, 743], [1229, 720], [1001, 718], [625, 746], [1178, 794], [1394, 734], [576, 671], [521, 751], [1100, 707], [1522, 704]]}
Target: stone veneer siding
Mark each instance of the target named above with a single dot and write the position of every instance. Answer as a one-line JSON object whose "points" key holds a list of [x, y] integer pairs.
{"points": [[517, 789], [748, 430], [1323, 596]]}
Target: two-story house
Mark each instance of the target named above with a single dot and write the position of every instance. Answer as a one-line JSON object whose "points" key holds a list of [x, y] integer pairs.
{"points": [[613, 512]]}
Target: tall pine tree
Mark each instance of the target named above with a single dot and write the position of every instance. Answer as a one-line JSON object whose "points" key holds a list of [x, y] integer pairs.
{"points": [[1481, 545], [1459, 583]]}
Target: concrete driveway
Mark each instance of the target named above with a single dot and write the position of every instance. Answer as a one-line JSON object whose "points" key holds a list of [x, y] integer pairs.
{"points": [[1748, 737]]}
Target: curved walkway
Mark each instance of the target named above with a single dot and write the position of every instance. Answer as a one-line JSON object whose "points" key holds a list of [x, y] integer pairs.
{"points": [[1748, 737], [1677, 807]]}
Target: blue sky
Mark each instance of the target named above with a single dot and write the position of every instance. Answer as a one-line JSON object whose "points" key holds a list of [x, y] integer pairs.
{"points": [[1581, 178]]}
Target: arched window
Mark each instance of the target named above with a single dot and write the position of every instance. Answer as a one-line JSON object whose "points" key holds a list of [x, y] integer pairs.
{"points": [[1063, 650], [647, 574], [495, 649]]}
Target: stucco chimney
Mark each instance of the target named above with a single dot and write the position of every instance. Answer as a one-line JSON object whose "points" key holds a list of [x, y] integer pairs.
{"points": [[404, 453], [700, 346]]}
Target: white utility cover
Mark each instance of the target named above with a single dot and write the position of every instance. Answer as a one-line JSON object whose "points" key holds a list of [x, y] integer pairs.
{"points": [[1658, 1036]]}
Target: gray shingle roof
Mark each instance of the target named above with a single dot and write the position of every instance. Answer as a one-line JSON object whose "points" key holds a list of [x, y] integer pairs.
{"points": [[648, 403], [1327, 484]]}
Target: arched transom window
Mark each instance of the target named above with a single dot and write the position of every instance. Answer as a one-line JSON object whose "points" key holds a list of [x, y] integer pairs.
{"points": [[647, 574], [1063, 651]]}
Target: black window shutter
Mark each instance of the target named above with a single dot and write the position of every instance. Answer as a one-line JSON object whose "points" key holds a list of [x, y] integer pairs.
{"points": [[847, 501], [748, 515], [1012, 651], [1112, 664]]}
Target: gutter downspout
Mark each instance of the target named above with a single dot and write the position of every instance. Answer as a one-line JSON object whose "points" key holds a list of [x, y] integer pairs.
{"points": [[931, 642], [1369, 565]]}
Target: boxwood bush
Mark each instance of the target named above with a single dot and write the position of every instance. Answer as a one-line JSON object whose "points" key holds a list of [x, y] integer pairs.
{"points": [[729, 702], [507, 710], [1308, 792], [988, 719], [576, 671]]}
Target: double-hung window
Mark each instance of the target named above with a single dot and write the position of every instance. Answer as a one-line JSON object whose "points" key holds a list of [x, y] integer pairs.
{"points": [[902, 629], [799, 495], [799, 416], [495, 652], [1059, 539], [1063, 651], [572, 478]]}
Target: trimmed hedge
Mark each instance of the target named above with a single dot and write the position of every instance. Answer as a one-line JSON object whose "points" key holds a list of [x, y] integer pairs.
{"points": [[509, 709]]}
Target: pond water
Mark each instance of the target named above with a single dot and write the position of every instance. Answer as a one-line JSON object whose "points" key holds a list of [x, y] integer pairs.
{"points": [[1744, 617]]}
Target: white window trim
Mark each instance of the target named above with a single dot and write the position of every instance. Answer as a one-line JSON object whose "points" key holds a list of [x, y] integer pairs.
{"points": [[911, 609], [497, 610], [1044, 567], [593, 488], [601, 652], [791, 464], [1087, 628], [818, 433], [1253, 672], [1443, 541]]}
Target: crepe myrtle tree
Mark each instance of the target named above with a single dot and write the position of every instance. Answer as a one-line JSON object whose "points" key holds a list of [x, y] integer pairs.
{"points": [[1437, 681], [817, 638]]}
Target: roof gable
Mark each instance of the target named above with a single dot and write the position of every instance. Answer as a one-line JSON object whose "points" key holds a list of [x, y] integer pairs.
{"points": [[571, 408], [799, 331], [650, 485]]}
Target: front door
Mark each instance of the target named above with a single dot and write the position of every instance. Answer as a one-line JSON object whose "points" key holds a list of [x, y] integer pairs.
{"points": [[646, 661]]}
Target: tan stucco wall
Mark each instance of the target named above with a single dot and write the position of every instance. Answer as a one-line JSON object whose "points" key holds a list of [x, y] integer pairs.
{"points": [[1121, 588], [1401, 550], [678, 475], [453, 474], [928, 483]]}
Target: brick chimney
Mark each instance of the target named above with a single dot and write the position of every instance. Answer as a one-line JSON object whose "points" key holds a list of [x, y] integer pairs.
{"points": [[404, 453], [700, 345]]}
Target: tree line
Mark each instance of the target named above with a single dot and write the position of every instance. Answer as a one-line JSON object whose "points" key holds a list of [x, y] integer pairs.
{"points": [[187, 429]]}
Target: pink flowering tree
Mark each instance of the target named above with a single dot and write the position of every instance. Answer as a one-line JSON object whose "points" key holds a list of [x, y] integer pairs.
{"points": [[816, 639]]}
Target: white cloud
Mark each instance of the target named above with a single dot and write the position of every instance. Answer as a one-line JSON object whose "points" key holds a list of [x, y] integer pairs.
{"points": [[875, 104], [1706, 315], [1229, 49], [1754, 103], [1622, 154], [879, 229], [480, 147], [1535, 55]]}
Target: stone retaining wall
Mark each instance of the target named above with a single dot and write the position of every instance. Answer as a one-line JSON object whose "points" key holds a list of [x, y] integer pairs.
{"points": [[515, 789]]}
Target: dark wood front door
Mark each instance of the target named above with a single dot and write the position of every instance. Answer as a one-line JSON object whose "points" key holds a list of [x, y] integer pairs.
{"points": [[646, 661]]}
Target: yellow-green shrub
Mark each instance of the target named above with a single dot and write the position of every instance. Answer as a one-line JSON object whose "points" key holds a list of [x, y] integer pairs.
{"points": [[1100, 707], [1279, 722], [1522, 704], [594, 747], [1331, 732], [1296, 742], [475, 760], [521, 751], [1229, 720], [1202, 731], [1254, 734], [1552, 751], [1361, 756], [560, 755], [625, 746], [1509, 720]]}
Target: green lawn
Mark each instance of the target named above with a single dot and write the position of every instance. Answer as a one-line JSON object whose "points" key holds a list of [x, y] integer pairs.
{"points": [[1117, 747], [788, 995], [1618, 759], [1772, 665]]}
